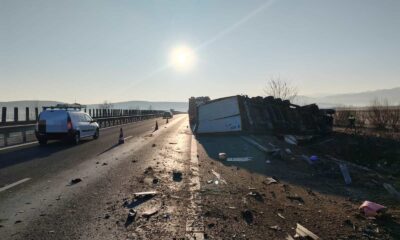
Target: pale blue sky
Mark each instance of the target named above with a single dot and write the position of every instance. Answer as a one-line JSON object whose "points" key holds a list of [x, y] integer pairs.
{"points": [[117, 50]]}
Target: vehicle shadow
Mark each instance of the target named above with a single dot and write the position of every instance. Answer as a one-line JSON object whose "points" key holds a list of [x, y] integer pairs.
{"points": [[291, 166], [16, 156]]}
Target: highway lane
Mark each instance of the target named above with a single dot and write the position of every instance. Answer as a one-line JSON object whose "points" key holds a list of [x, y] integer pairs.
{"points": [[35, 162], [48, 194]]}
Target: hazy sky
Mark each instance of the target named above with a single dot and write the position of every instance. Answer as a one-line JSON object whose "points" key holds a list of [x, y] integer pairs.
{"points": [[119, 50]]}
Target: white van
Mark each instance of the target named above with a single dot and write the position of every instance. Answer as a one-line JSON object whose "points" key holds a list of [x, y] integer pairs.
{"points": [[65, 124]]}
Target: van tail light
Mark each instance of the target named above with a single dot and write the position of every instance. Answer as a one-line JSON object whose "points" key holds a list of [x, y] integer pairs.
{"points": [[69, 124]]}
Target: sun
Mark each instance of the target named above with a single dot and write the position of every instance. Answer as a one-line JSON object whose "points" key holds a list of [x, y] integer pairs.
{"points": [[182, 58]]}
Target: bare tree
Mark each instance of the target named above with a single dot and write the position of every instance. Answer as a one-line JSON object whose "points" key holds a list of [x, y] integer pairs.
{"points": [[106, 105], [279, 88], [379, 113]]}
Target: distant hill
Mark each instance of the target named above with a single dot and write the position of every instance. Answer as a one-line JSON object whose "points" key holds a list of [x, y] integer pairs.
{"points": [[359, 99], [178, 106]]}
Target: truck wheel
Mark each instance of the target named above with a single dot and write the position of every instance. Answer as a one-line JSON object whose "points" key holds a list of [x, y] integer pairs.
{"points": [[77, 138], [96, 134]]}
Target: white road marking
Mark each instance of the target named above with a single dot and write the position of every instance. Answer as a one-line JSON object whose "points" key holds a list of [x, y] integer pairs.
{"points": [[19, 145], [194, 221], [14, 184]]}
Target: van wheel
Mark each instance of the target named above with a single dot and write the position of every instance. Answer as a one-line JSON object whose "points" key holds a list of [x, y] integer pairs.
{"points": [[42, 142], [96, 134], [77, 138]]}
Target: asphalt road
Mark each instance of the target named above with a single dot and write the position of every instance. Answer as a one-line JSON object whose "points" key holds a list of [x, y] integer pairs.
{"points": [[45, 206]]}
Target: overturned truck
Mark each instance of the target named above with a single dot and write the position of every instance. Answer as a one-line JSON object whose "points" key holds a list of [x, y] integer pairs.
{"points": [[259, 115]]}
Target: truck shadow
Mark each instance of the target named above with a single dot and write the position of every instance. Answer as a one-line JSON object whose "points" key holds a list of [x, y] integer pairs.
{"points": [[291, 166]]}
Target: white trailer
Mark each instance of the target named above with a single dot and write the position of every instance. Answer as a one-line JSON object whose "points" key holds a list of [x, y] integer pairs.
{"points": [[220, 115]]}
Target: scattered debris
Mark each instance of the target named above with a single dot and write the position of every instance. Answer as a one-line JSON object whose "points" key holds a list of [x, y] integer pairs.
{"points": [[392, 190], [290, 139], [345, 173], [281, 216], [147, 214], [304, 232], [239, 159], [210, 181], [220, 179], [247, 215], [296, 198], [75, 181], [140, 198], [276, 228], [256, 196], [288, 151], [177, 176], [149, 193], [269, 180], [222, 156], [268, 162], [371, 209], [130, 218], [314, 159]]}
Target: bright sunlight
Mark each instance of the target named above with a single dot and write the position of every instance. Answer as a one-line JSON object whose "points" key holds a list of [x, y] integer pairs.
{"points": [[182, 58]]}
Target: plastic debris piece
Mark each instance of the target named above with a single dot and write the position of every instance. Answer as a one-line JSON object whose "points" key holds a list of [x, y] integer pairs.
{"points": [[345, 173], [218, 176], [288, 151], [290, 139], [371, 209], [314, 158], [222, 156], [145, 193], [270, 180], [268, 162], [276, 228], [150, 212], [304, 232], [75, 181], [130, 218], [281, 216]]}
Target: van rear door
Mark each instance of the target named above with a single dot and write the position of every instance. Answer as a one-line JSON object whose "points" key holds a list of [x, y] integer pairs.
{"points": [[55, 121]]}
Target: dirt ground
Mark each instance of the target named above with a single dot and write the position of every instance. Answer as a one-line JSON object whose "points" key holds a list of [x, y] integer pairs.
{"points": [[240, 203]]}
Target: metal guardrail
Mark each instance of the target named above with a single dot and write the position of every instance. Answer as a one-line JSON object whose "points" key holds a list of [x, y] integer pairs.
{"points": [[22, 132]]}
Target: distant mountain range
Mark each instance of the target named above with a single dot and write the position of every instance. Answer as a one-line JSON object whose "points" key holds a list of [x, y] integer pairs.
{"points": [[336, 100], [353, 99]]}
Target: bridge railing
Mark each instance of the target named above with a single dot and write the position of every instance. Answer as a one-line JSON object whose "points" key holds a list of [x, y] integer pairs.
{"points": [[16, 130]]}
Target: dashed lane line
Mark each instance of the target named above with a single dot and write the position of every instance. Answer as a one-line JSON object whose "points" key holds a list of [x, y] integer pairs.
{"points": [[14, 184]]}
